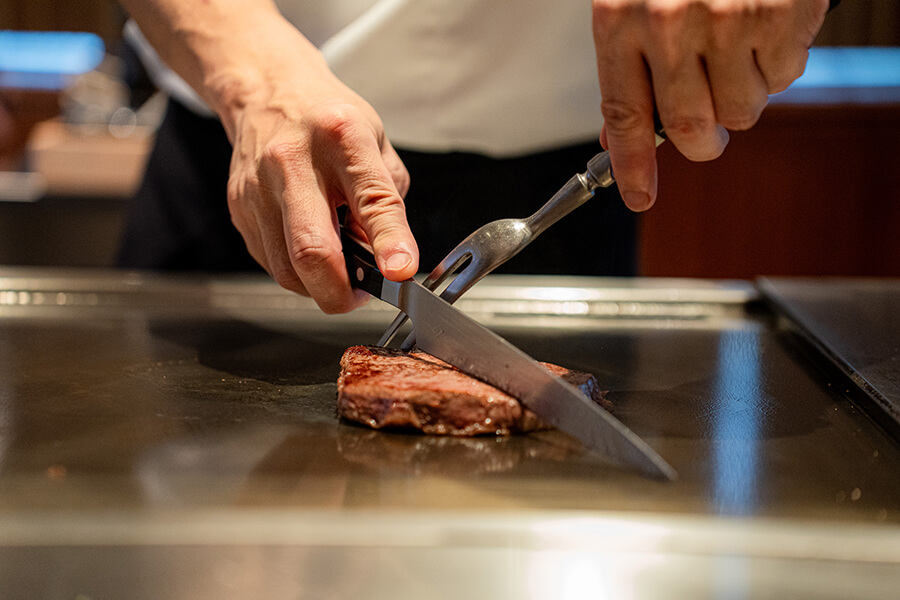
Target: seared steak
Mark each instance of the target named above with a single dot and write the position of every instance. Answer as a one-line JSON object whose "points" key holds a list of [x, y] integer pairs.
{"points": [[382, 387]]}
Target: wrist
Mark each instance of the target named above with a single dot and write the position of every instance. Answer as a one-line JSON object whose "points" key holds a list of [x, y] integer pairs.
{"points": [[247, 70]]}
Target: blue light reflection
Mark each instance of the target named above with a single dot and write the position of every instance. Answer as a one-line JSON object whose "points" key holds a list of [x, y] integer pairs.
{"points": [[840, 67], [46, 59], [736, 419]]}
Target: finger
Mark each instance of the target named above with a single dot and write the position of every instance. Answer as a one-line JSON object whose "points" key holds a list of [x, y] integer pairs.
{"points": [[262, 234], [242, 219], [681, 85], [376, 204], [604, 140], [686, 110], [738, 87], [784, 34], [298, 230], [780, 62], [396, 168], [312, 247], [781, 65], [627, 107]]}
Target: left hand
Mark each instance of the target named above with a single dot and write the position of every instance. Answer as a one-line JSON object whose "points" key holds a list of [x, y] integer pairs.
{"points": [[706, 65]]}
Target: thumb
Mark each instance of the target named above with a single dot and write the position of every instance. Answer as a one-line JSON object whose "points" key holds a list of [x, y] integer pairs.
{"points": [[387, 230], [378, 209]]}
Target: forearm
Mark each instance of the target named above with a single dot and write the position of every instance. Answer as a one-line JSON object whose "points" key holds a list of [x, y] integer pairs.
{"points": [[232, 52], [304, 143]]}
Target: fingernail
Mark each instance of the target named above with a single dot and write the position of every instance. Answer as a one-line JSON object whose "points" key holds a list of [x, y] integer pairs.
{"points": [[397, 261], [636, 201], [724, 136]]}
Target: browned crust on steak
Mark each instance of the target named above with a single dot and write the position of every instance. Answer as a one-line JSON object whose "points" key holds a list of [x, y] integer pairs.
{"points": [[383, 387]]}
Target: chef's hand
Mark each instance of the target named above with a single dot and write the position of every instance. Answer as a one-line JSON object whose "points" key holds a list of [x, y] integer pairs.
{"points": [[301, 150], [304, 144], [295, 161], [706, 65]]}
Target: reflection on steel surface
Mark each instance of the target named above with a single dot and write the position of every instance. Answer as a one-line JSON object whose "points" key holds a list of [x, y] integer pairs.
{"points": [[417, 454], [737, 414], [566, 571]]}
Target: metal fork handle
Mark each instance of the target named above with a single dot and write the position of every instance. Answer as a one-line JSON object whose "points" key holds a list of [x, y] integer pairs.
{"points": [[578, 190]]}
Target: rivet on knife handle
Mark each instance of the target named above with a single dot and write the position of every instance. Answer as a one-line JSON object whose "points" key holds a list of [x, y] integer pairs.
{"points": [[361, 265]]}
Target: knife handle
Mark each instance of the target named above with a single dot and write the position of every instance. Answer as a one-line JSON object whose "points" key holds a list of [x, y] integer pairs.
{"points": [[361, 265]]}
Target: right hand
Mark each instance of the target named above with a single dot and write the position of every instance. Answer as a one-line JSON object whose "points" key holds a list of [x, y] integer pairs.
{"points": [[304, 144], [298, 156]]}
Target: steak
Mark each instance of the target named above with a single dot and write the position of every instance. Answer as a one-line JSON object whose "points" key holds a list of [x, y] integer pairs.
{"points": [[383, 387]]}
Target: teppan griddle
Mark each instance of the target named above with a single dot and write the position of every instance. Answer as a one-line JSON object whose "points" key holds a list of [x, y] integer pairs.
{"points": [[166, 437]]}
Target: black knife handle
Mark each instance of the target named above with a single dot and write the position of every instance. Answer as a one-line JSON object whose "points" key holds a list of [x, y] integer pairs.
{"points": [[361, 265]]}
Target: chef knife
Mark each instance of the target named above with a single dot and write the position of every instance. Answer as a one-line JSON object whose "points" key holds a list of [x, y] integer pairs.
{"points": [[445, 332]]}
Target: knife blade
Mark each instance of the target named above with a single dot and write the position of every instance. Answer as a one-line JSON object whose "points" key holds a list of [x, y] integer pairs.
{"points": [[454, 337]]}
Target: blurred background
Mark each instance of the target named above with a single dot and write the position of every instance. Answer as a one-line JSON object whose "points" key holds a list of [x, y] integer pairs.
{"points": [[811, 190]]}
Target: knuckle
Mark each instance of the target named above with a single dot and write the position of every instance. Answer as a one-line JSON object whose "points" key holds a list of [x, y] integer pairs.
{"points": [[621, 116], [384, 216], [336, 307], [697, 137], [662, 15], [606, 7], [374, 200], [278, 157], [333, 122], [738, 122], [773, 12], [739, 119], [607, 13], [308, 252], [741, 112], [785, 76], [286, 277], [689, 128]]}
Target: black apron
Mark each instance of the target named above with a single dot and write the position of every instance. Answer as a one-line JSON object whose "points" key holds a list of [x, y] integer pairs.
{"points": [[179, 219]]}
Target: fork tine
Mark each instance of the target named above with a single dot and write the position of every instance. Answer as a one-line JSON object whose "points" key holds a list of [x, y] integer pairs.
{"points": [[450, 263], [440, 273], [472, 274], [409, 342], [468, 277], [392, 329]]}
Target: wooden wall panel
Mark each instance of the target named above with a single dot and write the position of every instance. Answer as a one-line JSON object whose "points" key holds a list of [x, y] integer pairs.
{"points": [[103, 17], [855, 23], [811, 190]]}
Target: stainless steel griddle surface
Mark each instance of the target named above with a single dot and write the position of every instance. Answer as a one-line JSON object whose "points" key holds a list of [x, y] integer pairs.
{"points": [[854, 323], [172, 426]]}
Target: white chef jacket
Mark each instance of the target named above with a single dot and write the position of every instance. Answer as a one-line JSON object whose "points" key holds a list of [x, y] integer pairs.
{"points": [[497, 77]]}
